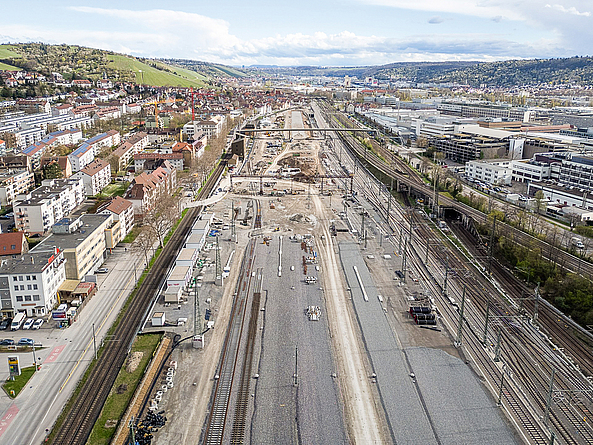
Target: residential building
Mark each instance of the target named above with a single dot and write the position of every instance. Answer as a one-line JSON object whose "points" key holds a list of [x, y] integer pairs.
{"points": [[28, 136], [82, 241], [147, 188], [33, 105], [496, 172], [151, 160], [82, 83], [37, 211], [95, 176], [104, 83], [125, 152], [122, 211], [211, 127], [13, 243], [13, 183], [64, 137], [87, 151], [29, 283]]}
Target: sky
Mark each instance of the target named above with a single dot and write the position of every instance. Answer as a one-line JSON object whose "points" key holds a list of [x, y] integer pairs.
{"points": [[309, 32]]}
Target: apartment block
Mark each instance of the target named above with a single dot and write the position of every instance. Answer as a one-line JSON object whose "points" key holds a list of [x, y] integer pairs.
{"points": [[38, 210], [29, 283]]}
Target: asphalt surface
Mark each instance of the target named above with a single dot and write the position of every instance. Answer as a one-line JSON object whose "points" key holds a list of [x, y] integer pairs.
{"points": [[64, 357], [309, 412], [444, 403]]}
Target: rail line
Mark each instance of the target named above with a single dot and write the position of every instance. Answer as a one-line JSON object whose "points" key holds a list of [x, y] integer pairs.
{"points": [[217, 419], [87, 405]]}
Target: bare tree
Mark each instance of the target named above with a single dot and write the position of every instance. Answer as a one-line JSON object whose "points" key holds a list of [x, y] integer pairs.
{"points": [[160, 219], [145, 241]]}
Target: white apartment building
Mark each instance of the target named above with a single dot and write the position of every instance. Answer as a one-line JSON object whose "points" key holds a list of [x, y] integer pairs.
{"points": [[87, 151], [83, 242], [95, 176], [496, 172], [122, 211], [13, 183], [30, 282], [37, 211], [28, 136], [211, 127]]}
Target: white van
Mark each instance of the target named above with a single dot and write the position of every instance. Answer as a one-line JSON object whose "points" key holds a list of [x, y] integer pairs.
{"points": [[17, 321]]}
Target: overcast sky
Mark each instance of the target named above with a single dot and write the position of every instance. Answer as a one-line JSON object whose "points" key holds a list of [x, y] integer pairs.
{"points": [[310, 32]]}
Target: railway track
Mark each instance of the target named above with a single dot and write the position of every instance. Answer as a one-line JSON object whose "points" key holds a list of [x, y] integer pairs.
{"points": [[514, 401], [560, 256], [89, 401], [217, 419]]}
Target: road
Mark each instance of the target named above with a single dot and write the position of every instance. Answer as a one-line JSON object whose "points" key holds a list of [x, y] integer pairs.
{"points": [[65, 355], [309, 412]]}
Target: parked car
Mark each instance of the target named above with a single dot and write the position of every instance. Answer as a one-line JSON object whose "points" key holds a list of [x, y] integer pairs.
{"points": [[102, 270], [28, 323], [7, 342], [5, 324], [26, 342], [38, 323]]}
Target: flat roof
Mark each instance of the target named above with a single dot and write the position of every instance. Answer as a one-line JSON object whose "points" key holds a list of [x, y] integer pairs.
{"points": [[64, 241], [187, 253]]}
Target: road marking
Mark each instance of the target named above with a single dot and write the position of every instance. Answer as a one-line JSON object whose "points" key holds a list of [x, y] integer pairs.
{"points": [[54, 354], [8, 418], [91, 340]]}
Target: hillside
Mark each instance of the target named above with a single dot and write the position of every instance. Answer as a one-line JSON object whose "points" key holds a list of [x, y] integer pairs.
{"points": [[207, 69], [76, 62], [573, 70]]}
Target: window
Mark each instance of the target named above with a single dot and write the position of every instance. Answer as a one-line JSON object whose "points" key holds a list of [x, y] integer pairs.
{"points": [[16, 287], [14, 279], [34, 287], [28, 277], [22, 287], [20, 278], [27, 297], [28, 287], [12, 246], [33, 277], [36, 298], [19, 298]]}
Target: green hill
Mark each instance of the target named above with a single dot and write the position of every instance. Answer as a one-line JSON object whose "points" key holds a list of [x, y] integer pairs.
{"points": [[153, 73], [77, 62]]}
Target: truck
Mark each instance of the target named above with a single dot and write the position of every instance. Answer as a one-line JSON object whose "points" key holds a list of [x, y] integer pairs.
{"points": [[577, 242], [17, 321]]}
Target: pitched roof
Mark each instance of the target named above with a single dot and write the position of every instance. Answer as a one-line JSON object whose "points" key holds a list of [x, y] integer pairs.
{"points": [[95, 167], [11, 243], [118, 205]]}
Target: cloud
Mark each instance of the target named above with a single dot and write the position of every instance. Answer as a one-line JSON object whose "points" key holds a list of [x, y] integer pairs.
{"points": [[572, 10], [572, 29], [178, 34]]}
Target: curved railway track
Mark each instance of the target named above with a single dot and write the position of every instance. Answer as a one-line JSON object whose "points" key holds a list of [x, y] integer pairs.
{"points": [[413, 182], [89, 401]]}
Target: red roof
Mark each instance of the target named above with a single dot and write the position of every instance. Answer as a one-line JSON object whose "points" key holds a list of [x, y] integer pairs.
{"points": [[11, 243]]}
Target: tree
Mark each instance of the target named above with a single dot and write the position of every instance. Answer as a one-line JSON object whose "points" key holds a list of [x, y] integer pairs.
{"points": [[540, 202], [52, 171]]}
